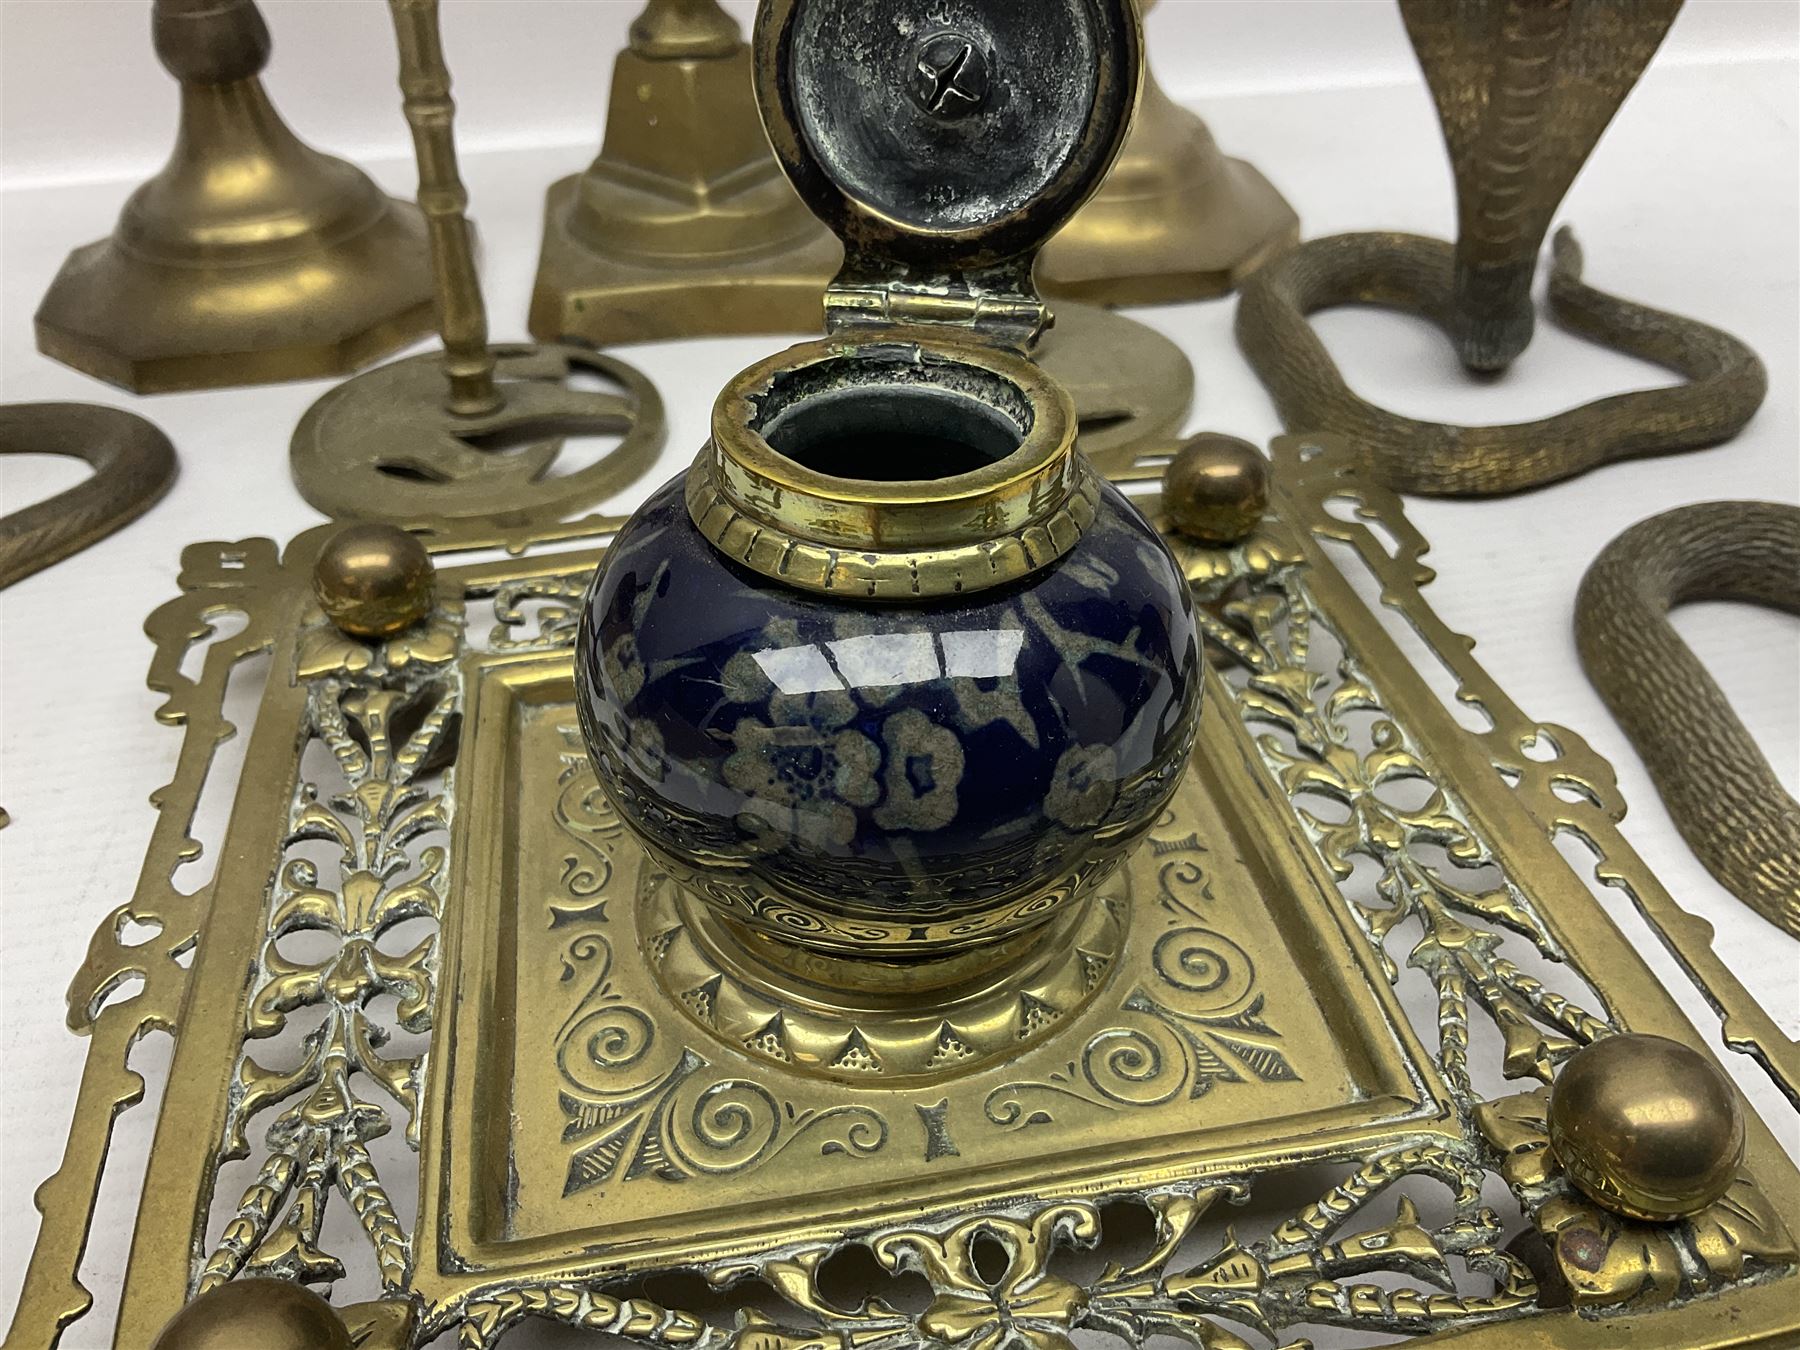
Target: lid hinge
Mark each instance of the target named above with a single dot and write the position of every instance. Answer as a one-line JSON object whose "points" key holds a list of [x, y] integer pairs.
{"points": [[1010, 320]]}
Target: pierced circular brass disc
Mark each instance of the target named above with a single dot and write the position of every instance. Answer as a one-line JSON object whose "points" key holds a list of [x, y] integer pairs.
{"points": [[383, 447], [1132, 386]]}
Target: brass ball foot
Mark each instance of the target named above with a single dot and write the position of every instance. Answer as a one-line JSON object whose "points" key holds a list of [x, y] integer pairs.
{"points": [[374, 580], [1646, 1127], [266, 1314], [1216, 489]]}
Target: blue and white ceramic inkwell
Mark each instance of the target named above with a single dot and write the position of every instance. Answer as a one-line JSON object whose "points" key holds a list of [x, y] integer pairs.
{"points": [[889, 680]]}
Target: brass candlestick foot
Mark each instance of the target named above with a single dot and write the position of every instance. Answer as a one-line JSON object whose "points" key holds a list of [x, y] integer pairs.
{"points": [[684, 224], [1175, 219], [251, 257], [439, 437]]}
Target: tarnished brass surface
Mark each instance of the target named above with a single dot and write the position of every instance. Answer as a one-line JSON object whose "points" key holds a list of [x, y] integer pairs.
{"points": [[384, 447], [1132, 386], [373, 580], [684, 224], [1523, 91], [1725, 380], [942, 226], [501, 979], [448, 437], [133, 462], [1726, 800], [1175, 219], [1647, 1127], [250, 257], [893, 540], [1216, 489]]}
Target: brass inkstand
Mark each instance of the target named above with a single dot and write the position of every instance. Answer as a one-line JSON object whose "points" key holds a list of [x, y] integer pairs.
{"points": [[250, 257], [678, 1041], [890, 682], [438, 436]]}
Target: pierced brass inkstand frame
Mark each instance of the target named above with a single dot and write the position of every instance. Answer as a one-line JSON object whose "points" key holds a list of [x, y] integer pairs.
{"points": [[1342, 842], [432, 950], [251, 257]]}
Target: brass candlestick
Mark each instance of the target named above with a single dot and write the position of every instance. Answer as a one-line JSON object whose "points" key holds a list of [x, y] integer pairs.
{"points": [[437, 436], [1175, 220], [684, 224], [250, 257]]}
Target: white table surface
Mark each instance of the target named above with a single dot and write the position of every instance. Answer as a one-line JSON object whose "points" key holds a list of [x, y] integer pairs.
{"points": [[1692, 203]]}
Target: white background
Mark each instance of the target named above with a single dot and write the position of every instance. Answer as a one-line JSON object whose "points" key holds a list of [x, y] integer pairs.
{"points": [[1691, 203]]}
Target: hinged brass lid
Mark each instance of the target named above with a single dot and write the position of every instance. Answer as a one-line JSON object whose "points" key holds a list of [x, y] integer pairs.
{"points": [[944, 141]]}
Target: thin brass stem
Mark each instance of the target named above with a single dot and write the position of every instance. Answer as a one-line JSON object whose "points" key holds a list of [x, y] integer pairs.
{"points": [[430, 112]]}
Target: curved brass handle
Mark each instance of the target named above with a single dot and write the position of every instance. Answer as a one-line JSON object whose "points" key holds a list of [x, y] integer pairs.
{"points": [[1725, 799], [134, 464]]}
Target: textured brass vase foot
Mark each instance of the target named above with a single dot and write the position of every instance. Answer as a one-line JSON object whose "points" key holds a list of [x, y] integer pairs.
{"points": [[133, 463], [250, 257], [1175, 220], [1725, 380], [684, 224], [1725, 799], [1523, 91]]}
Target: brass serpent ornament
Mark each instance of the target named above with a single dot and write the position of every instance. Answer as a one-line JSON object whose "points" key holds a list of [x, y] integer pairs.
{"points": [[1725, 799], [133, 463], [1725, 379], [1523, 91]]}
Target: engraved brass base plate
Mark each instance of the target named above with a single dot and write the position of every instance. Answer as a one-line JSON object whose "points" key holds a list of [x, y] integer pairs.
{"points": [[653, 1105], [1333, 987]]}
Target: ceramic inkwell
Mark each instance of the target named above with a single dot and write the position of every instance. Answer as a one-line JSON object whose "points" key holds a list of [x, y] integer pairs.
{"points": [[889, 680]]}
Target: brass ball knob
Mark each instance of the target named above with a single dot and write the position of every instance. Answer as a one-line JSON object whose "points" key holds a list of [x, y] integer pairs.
{"points": [[1216, 488], [266, 1314], [1646, 1127], [374, 580]]}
